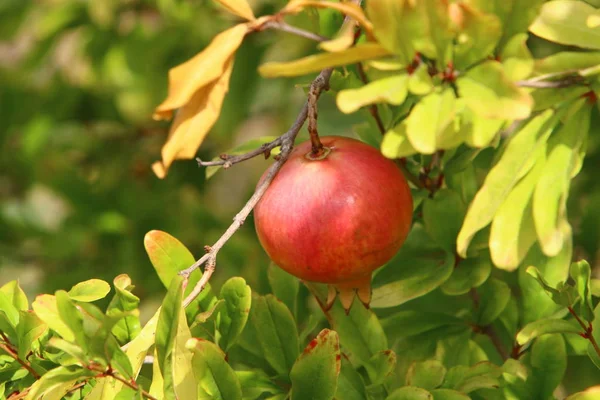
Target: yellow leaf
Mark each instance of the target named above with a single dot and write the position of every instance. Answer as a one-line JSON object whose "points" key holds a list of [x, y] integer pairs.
{"points": [[241, 8], [203, 69], [317, 62], [349, 9], [193, 121], [343, 41]]}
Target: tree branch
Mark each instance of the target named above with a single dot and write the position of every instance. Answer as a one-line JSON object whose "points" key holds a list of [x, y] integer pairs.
{"points": [[285, 27], [11, 352], [538, 83], [286, 141]]}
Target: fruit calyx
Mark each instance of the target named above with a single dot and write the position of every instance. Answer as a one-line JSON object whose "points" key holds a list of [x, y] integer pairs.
{"points": [[347, 291]]}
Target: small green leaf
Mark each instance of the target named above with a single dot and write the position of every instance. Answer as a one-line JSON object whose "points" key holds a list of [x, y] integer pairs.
{"points": [[468, 274], [169, 256], [489, 92], [516, 58], [71, 315], [411, 323], [90, 290], [591, 350], [410, 393], [271, 335], [567, 61], [46, 309], [544, 327], [284, 286], [502, 177], [478, 36], [380, 366], [479, 131], [232, 318], [448, 394], [29, 330], [591, 393], [494, 297], [351, 385], [447, 206], [172, 333], [255, 383], [396, 144], [392, 90], [420, 82], [7, 307], [216, 379], [430, 125], [468, 379], [548, 363], [57, 382], [125, 301], [564, 294], [569, 22], [15, 295], [426, 374], [315, 373], [317, 62], [581, 274]]}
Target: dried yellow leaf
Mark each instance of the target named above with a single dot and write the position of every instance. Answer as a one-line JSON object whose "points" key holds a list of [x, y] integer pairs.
{"points": [[349, 9], [188, 78], [193, 121], [344, 40], [241, 8]]}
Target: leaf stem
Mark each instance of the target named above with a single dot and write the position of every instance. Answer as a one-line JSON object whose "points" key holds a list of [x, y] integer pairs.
{"points": [[587, 330], [285, 27]]}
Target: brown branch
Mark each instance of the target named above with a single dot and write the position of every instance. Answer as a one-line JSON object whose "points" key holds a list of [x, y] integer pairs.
{"points": [[319, 84], [287, 145], [130, 384], [587, 329], [13, 353], [227, 161]]}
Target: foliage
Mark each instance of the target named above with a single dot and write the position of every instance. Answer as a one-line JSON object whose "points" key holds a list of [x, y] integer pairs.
{"points": [[490, 116]]}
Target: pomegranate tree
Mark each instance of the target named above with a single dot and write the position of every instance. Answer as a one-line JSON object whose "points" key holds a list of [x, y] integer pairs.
{"points": [[335, 217]]}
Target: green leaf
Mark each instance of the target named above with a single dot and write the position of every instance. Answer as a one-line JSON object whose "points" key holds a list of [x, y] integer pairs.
{"points": [[57, 382], [502, 177], [233, 317], [271, 335], [489, 92], [413, 323], [351, 385], [591, 350], [548, 363], [564, 294], [478, 36], [581, 274], [7, 307], [380, 366], [446, 206], [124, 301], [550, 196], [46, 309], [90, 290], [479, 131], [468, 274], [392, 90], [396, 144], [410, 393], [513, 231], [69, 348], [71, 315], [420, 82], [448, 394], [569, 22], [172, 334], [516, 58], [15, 295], [318, 62], [591, 393], [567, 61], [430, 125], [284, 286], [544, 327], [216, 379], [250, 145], [360, 332], [29, 330], [426, 374], [468, 379], [255, 383], [315, 373], [169, 256]]}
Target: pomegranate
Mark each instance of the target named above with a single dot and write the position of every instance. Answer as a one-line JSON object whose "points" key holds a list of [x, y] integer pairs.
{"points": [[335, 218]]}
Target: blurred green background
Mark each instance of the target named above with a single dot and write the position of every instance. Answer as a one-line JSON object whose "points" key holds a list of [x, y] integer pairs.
{"points": [[78, 83]]}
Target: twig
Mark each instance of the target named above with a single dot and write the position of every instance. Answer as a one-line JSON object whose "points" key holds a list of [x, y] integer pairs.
{"points": [[287, 145], [227, 161], [130, 384], [319, 84], [587, 330], [285, 27], [11, 352]]}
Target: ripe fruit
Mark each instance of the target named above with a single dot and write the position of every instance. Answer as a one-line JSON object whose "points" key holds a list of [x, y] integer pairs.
{"points": [[337, 218]]}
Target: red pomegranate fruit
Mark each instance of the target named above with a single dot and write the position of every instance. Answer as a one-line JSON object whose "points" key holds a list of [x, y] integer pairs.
{"points": [[337, 217]]}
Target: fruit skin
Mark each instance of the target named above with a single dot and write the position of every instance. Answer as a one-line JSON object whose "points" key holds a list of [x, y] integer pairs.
{"points": [[337, 219]]}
